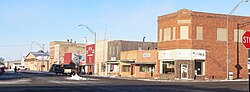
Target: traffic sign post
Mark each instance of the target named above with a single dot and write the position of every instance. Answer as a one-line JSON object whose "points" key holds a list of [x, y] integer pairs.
{"points": [[246, 39]]}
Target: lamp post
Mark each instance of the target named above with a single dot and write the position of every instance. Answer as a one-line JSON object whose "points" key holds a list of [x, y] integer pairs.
{"points": [[42, 54], [230, 13], [94, 33]]}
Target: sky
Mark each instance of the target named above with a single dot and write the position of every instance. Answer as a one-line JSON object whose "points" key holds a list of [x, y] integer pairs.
{"points": [[42, 21]]}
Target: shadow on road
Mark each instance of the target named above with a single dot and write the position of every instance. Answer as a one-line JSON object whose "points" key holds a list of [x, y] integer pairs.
{"points": [[9, 75], [116, 88]]}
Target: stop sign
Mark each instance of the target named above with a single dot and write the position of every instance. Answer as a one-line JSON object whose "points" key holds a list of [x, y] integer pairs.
{"points": [[246, 39]]}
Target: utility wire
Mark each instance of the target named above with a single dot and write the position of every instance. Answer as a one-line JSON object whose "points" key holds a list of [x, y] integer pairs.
{"points": [[19, 45]]}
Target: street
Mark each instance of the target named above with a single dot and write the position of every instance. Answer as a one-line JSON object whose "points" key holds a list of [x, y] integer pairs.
{"points": [[49, 82]]}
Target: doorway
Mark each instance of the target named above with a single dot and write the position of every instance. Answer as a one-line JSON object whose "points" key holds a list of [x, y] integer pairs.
{"points": [[184, 71]]}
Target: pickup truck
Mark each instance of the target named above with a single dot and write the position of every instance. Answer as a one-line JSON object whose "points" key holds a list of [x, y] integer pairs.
{"points": [[65, 69]]}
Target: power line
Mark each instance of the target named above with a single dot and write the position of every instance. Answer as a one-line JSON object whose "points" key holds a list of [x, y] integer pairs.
{"points": [[18, 45]]}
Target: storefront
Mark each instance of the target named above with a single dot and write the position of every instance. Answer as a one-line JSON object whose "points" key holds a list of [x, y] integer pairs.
{"points": [[182, 64], [127, 68], [144, 69], [112, 68]]}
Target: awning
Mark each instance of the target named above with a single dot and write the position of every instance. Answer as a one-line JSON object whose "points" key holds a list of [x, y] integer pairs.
{"points": [[112, 61], [128, 61], [145, 63]]}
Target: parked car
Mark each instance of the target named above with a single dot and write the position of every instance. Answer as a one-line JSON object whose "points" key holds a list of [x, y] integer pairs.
{"points": [[2, 67]]}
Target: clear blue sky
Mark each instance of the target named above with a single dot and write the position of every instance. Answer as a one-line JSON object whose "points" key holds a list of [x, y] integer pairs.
{"points": [[43, 21]]}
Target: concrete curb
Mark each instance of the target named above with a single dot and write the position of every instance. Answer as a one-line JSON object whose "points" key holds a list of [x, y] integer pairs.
{"points": [[157, 80]]}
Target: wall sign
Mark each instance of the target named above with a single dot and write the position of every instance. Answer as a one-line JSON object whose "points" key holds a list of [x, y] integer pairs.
{"points": [[199, 54], [146, 54]]}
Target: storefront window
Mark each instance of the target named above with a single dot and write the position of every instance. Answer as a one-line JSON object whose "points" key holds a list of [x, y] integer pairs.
{"points": [[111, 67], [198, 68], [125, 68], [146, 68], [168, 67]]}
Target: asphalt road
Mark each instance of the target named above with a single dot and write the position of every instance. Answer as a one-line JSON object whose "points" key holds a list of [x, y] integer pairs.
{"points": [[47, 82]]}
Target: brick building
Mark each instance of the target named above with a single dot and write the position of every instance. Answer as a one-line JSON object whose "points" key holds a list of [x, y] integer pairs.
{"points": [[59, 48], [90, 59], [139, 64], [192, 45], [108, 54]]}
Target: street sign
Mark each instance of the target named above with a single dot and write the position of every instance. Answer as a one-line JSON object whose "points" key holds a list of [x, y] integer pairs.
{"points": [[246, 39]]}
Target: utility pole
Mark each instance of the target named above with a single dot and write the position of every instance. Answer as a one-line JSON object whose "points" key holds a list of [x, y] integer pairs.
{"points": [[227, 44], [237, 66]]}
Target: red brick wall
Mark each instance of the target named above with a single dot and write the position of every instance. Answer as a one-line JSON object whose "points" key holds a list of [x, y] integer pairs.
{"points": [[215, 63]]}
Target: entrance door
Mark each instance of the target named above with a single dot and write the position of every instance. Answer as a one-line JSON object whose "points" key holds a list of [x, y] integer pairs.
{"points": [[132, 69], [184, 71]]}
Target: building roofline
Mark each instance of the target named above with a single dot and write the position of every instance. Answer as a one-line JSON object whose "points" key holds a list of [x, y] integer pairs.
{"points": [[128, 40], [209, 13]]}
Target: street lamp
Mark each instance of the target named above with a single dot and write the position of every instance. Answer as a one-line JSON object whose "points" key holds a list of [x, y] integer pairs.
{"points": [[94, 33], [42, 52], [230, 13]]}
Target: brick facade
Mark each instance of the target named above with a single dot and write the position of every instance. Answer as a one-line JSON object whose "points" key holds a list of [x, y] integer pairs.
{"points": [[141, 58], [215, 63]]}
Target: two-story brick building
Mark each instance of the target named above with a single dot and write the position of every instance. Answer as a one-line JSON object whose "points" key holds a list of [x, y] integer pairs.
{"points": [[192, 45]]}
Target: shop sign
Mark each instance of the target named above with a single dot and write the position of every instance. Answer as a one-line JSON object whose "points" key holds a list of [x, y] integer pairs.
{"points": [[199, 54], [145, 55], [184, 54], [165, 55]]}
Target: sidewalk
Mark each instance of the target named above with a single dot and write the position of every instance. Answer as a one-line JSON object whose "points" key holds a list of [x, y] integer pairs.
{"points": [[193, 80], [162, 80]]}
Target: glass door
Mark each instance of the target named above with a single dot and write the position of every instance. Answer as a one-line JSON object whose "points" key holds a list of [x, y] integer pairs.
{"points": [[184, 71]]}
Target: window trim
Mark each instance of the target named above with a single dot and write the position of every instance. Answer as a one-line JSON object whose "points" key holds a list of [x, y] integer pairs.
{"points": [[182, 35], [162, 67], [197, 38], [167, 37], [160, 35], [173, 33], [218, 36]]}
